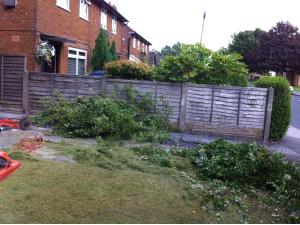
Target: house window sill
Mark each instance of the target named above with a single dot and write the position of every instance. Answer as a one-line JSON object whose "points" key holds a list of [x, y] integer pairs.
{"points": [[65, 9], [85, 19]]}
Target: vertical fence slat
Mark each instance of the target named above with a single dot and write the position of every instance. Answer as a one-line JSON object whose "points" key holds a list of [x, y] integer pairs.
{"points": [[52, 86], [239, 107], [2, 78], [268, 116], [184, 90], [212, 104], [25, 91]]}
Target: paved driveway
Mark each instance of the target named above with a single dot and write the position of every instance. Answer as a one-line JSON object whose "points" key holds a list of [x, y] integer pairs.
{"points": [[296, 112]]}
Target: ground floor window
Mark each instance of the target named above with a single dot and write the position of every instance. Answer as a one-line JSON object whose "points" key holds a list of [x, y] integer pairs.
{"points": [[77, 60]]}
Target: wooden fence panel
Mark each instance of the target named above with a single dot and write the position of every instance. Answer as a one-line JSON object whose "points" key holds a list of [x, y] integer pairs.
{"points": [[12, 69], [224, 111], [44, 86]]}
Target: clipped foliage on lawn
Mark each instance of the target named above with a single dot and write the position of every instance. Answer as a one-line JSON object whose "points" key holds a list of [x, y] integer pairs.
{"points": [[197, 64], [106, 117], [125, 69], [250, 164], [281, 114]]}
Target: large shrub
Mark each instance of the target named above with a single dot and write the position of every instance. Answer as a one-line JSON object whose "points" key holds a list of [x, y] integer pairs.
{"points": [[125, 69], [105, 117], [197, 64], [281, 114], [249, 164]]}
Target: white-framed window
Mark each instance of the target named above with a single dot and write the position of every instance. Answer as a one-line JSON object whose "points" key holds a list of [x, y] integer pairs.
{"points": [[146, 49], [65, 4], [84, 9], [114, 25], [134, 43], [143, 47], [139, 45], [103, 19], [77, 60]]}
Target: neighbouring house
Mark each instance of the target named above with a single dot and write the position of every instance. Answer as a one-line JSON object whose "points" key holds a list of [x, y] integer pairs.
{"points": [[135, 47], [71, 26]]}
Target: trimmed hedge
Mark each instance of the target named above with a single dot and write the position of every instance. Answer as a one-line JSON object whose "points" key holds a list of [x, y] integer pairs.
{"points": [[281, 114], [125, 69]]}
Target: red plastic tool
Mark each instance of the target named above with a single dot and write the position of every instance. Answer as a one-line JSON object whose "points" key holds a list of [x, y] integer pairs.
{"points": [[9, 166], [13, 124]]}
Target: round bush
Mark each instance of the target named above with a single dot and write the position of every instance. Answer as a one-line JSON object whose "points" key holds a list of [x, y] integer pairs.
{"points": [[281, 114], [125, 69]]}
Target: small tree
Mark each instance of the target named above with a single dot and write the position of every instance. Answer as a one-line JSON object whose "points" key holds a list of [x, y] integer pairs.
{"points": [[113, 51], [102, 51]]}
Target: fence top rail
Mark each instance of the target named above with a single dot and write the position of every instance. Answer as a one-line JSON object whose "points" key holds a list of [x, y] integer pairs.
{"points": [[227, 87], [143, 82], [65, 75], [188, 84]]}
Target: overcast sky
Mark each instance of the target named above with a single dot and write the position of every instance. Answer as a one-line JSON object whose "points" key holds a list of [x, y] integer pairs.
{"points": [[165, 22]]}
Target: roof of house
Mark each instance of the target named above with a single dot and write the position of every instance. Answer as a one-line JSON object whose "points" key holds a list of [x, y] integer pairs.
{"points": [[135, 34], [112, 10]]}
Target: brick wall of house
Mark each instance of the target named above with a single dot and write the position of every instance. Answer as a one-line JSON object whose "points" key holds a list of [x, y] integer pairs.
{"points": [[83, 32], [133, 51], [17, 30], [20, 30]]}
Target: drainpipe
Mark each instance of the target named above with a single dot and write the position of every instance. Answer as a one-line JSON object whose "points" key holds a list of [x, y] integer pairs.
{"points": [[36, 27], [129, 46]]}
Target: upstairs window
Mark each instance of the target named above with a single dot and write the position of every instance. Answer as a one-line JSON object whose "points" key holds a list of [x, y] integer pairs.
{"points": [[77, 60], [139, 45], [84, 9], [134, 43], [146, 49], [104, 19], [114, 25], [143, 48], [65, 4]]}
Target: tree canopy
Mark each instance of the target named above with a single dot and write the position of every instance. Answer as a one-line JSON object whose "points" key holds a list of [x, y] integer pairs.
{"points": [[197, 64], [103, 51], [276, 50], [279, 49], [171, 51], [243, 43]]}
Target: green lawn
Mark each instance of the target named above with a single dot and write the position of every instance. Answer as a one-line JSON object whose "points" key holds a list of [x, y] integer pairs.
{"points": [[121, 186]]}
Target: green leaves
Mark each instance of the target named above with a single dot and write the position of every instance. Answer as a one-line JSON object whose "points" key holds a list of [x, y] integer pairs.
{"points": [[281, 113], [103, 51], [249, 164], [105, 117], [197, 64], [125, 69]]}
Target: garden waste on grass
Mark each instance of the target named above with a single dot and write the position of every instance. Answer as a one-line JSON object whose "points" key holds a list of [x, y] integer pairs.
{"points": [[129, 182]]}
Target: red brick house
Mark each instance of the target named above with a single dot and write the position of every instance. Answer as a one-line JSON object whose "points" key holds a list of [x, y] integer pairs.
{"points": [[134, 45], [71, 26]]}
